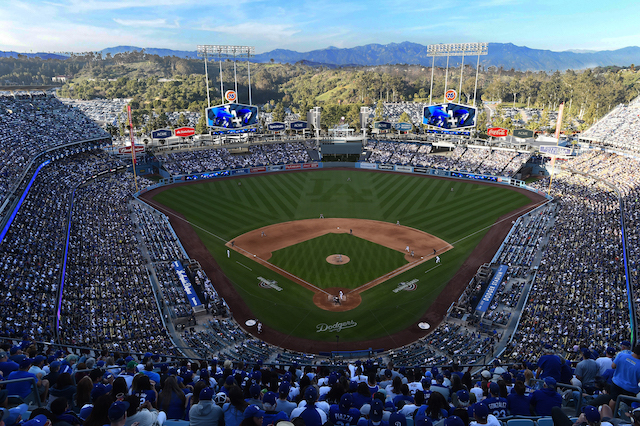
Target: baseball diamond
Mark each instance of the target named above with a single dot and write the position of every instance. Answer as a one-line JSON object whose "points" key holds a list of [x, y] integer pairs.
{"points": [[211, 217]]}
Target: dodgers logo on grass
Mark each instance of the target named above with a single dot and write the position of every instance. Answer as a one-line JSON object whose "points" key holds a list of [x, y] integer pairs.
{"points": [[337, 327], [406, 286]]}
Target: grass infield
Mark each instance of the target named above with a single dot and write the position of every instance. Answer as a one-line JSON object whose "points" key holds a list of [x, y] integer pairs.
{"points": [[455, 211], [368, 260]]}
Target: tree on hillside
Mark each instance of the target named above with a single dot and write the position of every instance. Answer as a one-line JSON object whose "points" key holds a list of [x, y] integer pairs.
{"points": [[278, 112], [379, 116], [404, 118]]}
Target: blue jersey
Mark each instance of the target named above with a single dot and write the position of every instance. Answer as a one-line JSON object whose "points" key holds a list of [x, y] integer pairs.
{"points": [[497, 406], [341, 418]]}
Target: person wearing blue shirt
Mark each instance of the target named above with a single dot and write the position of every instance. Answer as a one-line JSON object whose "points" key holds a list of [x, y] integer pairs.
{"points": [[626, 375], [344, 414], [543, 400], [519, 400], [497, 405], [549, 365]]}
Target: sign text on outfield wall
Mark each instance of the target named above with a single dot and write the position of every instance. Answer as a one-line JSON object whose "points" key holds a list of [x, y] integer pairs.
{"points": [[382, 125], [403, 127], [523, 133], [555, 150], [161, 134], [276, 126], [298, 125], [497, 132]]}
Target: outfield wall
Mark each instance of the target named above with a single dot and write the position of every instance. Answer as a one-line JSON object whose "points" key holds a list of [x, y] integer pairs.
{"points": [[424, 171]]}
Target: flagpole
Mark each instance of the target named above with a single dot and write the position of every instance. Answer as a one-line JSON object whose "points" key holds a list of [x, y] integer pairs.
{"points": [[557, 135], [133, 147]]}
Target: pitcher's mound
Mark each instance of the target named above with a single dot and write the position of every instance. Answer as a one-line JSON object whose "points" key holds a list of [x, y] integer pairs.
{"points": [[338, 259]]}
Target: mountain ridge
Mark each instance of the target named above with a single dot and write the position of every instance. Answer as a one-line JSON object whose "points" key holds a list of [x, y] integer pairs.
{"points": [[505, 55]]}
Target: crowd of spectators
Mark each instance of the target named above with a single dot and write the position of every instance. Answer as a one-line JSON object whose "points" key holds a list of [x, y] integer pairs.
{"points": [[101, 110], [471, 159], [186, 162], [30, 125], [115, 387], [579, 294], [619, 129]]}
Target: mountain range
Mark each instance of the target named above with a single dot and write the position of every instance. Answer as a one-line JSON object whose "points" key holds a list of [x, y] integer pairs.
{"points": [[506, 55]]}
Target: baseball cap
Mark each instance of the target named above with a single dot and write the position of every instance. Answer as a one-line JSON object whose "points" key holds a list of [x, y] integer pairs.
{"points": [[480, 410], [37, 360], [253, 411], [221, 398], [550, 382], [376, 411], [611, 351], [131, 364], [117, 410], [626, 343], [397, 419], [387, 373], [254, 391], [107, 375], [206, 394], [39, 420], [453, 421], [26, 363], [422, 419], [463, 395], [310, 394], [98, 390], [494, 388], [486, 374], [229, 380], [270, 398], [591, 413], [346, 401], [284, 387], [333, 378]]}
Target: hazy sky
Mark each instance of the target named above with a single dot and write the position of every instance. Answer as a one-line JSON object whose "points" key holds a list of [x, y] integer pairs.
{"points": [[303, 25]]}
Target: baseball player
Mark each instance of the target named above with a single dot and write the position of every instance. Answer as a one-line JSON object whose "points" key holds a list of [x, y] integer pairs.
{"points": [[407, 249], [437, 259]]}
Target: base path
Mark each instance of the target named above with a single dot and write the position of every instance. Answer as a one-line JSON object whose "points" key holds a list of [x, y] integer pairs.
{"points": [[260, 243]]}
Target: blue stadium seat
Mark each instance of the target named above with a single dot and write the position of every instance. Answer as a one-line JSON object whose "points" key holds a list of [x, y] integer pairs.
{"points": [[545, 421], [520, 422]]}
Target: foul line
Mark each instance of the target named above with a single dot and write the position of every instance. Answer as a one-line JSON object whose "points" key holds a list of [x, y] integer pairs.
{"points": [[429, 270], [244, 266]]}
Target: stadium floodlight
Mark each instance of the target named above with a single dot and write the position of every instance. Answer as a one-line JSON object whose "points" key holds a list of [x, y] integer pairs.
{"points": [[456, 49], [224, 52]]}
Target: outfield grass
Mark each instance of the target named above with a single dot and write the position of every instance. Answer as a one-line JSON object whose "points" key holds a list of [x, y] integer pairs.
{"points": [[220, 210], [368, 260]]}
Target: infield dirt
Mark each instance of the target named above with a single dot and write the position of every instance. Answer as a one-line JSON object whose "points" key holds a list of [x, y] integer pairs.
{"points": [[260, 243]]}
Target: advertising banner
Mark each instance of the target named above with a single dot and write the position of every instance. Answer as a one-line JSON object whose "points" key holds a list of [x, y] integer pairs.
{"points": [[127, 149], [492, 288], [186, 284], [184, 132], [385, 167], [404, 169], [257, 169], [449, 116], [523, 133], [403, 127], [275, 168], [161, 134], [239, 171], [369, 166], [420, 170], [382, 125], [497, 132], [554, 150], [450, 95], [232, 116], [298, 125], [276, 127], [310, 166], [293, 166]]}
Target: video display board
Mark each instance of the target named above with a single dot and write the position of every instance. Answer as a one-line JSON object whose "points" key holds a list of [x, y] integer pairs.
{"points": [[232, 116], [449, 116]]}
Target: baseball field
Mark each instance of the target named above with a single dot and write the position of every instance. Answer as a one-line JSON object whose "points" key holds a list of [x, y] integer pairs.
{"points": [[275, 259]]}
